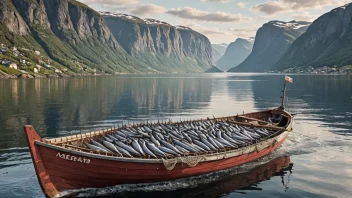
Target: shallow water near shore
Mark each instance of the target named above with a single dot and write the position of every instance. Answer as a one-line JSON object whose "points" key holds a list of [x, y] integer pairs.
{"points": [[315, 160]]}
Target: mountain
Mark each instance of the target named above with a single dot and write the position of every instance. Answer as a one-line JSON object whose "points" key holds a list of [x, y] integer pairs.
{"points": [[327, 42], [218, 51], [161, 44], [235, 53], [75, 36], [271, 42], [213, 69]]}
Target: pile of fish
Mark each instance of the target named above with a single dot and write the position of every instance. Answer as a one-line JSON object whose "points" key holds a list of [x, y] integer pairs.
{"points": [[171, 140]]}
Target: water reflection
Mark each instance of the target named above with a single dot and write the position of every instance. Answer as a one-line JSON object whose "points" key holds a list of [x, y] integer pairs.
{"points": [[59, 105], [241, 180]]}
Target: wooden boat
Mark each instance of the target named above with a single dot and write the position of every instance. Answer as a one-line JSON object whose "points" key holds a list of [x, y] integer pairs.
{"points": [[61, 165]]}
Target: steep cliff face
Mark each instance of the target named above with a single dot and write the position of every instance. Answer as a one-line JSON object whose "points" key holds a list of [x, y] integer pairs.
{"points": [[235, 53], [196, 45], [72, 34], [271, 42], [74, 22], [218, 51], [159, 39], [33, 12], [11, 19], [327, 42]]}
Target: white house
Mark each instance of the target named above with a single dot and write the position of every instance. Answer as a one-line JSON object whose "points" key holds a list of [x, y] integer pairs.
{"points": [[35, 70], [38, 67], [13, 66], [37, 52]]}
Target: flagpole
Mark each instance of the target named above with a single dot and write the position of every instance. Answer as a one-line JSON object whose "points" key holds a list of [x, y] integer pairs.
{"points": [[282, 107]]}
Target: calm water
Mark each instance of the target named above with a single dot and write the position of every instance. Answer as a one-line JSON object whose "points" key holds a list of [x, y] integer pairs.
{"points": [[315, 161]]}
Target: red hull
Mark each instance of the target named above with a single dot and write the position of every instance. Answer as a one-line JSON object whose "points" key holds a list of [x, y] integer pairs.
{"points": [[59, 169], [56, 174]]}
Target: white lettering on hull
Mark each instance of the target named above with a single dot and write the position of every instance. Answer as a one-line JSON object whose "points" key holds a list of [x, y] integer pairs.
{"points": [[73, 158]]}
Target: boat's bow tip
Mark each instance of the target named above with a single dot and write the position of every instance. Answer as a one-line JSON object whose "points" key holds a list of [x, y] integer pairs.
{"points": [[31, 134]]}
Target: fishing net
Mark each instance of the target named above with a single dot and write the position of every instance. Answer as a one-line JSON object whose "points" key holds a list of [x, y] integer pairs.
{"points": [[170, 163], [191, 161]]}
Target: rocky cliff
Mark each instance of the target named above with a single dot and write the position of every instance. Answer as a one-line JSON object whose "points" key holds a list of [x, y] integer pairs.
{"points": [[327, 42], [271, 42], [235, 53], [218, 51], [74, 35], [140, 37]]}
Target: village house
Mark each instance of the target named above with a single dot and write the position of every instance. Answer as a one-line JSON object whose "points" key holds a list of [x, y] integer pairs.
{"points": [[37, 52], [5, 62], [47, 66], [57, 71], [23, 61], [38, 67], [35, 70], [3, 49], [13, 66]]}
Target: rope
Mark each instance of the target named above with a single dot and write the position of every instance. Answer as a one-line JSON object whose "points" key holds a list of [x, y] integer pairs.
{"points": [[192, 161], [169, 163]]}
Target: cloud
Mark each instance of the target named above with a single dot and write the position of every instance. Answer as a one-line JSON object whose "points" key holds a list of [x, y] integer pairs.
{"points": [[192, 13], [279, 6], [204, 30], [304, 16], [217, 1], [270, 7], [110, 2], [244, 32], [241, 5], [147, 9]]}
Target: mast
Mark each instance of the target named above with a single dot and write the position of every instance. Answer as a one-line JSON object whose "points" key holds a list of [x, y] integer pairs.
{"points": [[282, 107]]}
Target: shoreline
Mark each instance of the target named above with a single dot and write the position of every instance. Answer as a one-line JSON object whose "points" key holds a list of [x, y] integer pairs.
{"points": [[4, 76]]}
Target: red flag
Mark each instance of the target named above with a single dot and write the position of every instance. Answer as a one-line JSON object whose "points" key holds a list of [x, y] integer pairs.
{"points": [[289, 79]]}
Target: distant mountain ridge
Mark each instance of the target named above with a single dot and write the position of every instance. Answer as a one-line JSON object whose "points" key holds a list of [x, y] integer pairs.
{"points": [[235, 53], [70, 32], [218, 51], [271, 42], [327, 42]]}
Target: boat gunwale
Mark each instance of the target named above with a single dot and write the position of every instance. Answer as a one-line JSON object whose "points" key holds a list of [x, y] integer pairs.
{"points": [[204, 158], [94, 134]]}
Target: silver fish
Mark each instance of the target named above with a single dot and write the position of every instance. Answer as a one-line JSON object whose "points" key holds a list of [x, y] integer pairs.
{"points": [[185, 146], [218, 143], [154, 140], [206, 142], [100, 145], [110, 146], [137, 147], [157, 151], [107, 139], [123, 151], [202, 145], [146, 149], [167, 150], [96, 148], [126, 147], [170, 146], [210, 140]]}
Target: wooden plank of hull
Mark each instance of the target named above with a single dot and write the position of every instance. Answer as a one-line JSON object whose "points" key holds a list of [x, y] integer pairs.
{"points": [[56, 174]]}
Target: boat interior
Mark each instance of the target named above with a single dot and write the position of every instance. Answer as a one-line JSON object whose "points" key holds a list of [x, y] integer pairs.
{"points": [[272, 122]]}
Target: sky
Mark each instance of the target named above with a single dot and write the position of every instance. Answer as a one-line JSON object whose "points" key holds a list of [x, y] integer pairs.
{"points": [[222, 21]]}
